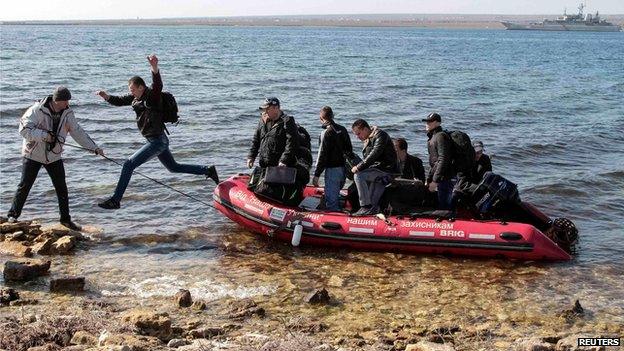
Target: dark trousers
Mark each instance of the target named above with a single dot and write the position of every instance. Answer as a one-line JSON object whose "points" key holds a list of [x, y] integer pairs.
{"points": [[30, 169]]}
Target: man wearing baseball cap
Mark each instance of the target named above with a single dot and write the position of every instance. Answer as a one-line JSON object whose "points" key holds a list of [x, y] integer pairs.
{"points": [[439, 147], [44, 127]]}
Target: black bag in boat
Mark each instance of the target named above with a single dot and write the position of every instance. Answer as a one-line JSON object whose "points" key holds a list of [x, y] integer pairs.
{"points": [[289, 194], [494, 193], [405, 196]]}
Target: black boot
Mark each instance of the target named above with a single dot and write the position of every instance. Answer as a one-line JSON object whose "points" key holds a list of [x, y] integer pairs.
{"points": [[71, 225], [110, 204], [212, 174]]}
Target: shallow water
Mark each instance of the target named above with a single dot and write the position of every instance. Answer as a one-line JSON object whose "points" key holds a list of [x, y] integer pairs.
{"points": [[548, 107]]}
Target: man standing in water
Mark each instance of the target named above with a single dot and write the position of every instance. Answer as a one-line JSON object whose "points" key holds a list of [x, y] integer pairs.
{"points": [[144, 102], [44, 127]]}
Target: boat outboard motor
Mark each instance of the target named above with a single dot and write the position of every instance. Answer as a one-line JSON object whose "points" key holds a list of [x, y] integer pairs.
{"points": [[564, 233]]}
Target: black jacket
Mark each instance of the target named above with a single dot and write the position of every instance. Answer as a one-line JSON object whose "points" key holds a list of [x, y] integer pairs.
{"points": [[439, 146], [149, 120], [483, 164], [275, 142], [333, 144], [379, 153], [413, 168]]}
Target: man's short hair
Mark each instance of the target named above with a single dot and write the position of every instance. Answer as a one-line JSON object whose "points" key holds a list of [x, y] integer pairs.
{"points": [[136, 80], [328, 113], [360, 123], [401, 143]]}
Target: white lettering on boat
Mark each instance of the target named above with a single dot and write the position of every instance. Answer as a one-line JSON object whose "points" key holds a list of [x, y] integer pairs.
{"points": [[361, 221], [452, 233], [427, 225], [254, 208]]}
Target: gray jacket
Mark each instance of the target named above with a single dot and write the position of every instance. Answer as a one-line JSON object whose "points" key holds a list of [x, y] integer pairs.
{"points": [[35, 125]]}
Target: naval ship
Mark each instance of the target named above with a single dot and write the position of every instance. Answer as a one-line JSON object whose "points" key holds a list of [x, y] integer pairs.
{"points": [[578, 22]]}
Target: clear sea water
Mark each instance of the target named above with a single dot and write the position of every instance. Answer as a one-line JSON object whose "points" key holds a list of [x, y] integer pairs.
{"points": [[549, 108]]}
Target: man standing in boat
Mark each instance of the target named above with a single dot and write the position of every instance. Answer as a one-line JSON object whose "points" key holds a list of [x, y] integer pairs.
{"points": [[145, 102], [376, 169], [276, 144], [334, 144], [440, 174]]}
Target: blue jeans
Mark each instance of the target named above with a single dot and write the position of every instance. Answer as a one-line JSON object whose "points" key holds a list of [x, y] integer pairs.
{"points": [[156, 146], [445, 194], [334, 181]]}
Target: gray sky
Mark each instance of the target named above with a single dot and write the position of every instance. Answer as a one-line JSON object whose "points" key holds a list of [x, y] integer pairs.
{"points": [[127, 9]]}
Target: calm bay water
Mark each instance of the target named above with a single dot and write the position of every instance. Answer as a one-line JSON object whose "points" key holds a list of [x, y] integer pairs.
{"points": [[548, 107]]}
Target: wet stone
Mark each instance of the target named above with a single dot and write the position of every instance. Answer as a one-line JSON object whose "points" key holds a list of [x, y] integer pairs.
{"points": [[199, 305], [7, 295], [25, 269], [17, 236], [149, 323], [318, 297], [206, 333], [15, 248], [64, 245], [175, 343], [429, 346], [183, 298], [44, 247], [67, 284], [82, 337], [245, 308]]}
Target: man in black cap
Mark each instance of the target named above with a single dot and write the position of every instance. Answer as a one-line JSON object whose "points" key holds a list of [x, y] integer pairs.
{"points": [[44, 127], [440, 174], [276, 143]]}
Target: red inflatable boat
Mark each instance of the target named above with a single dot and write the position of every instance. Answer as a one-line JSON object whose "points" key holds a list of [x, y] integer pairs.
{"points": [[395, 233]]}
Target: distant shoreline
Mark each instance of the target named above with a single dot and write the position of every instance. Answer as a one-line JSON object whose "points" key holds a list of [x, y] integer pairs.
{"points": [[438, 21]]}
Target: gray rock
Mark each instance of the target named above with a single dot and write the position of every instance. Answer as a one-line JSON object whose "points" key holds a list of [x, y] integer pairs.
{"points": [[64, 245], [25, 269], [67, 284], [175, 343]]}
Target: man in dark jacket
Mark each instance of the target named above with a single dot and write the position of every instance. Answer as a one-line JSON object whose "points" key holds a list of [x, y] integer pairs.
{"points": [[483, 163], [440, 158], [334, 142], [144, 102], [376, 169], [410, 167], [276, 143]]}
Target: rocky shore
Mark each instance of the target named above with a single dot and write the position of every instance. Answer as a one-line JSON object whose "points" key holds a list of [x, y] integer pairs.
{"points": [[41, 309]]}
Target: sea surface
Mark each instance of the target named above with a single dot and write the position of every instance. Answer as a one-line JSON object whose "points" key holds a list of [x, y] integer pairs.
{"points": [[549, 108]]}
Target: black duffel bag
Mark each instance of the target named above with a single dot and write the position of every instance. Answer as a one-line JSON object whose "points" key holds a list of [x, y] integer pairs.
{"points": [[278, 184]]}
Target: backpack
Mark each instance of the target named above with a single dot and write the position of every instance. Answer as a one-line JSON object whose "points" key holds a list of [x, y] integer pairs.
{"points": [[462, 154], [304, 154], [169, 108], [494, 193]]}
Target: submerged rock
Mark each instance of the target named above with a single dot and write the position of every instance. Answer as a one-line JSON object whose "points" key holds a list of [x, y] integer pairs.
{"points": [[318, 297], [149, 323], [67, 284], [183, 298], [199, 305], [245, 308], [25, 269]]}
